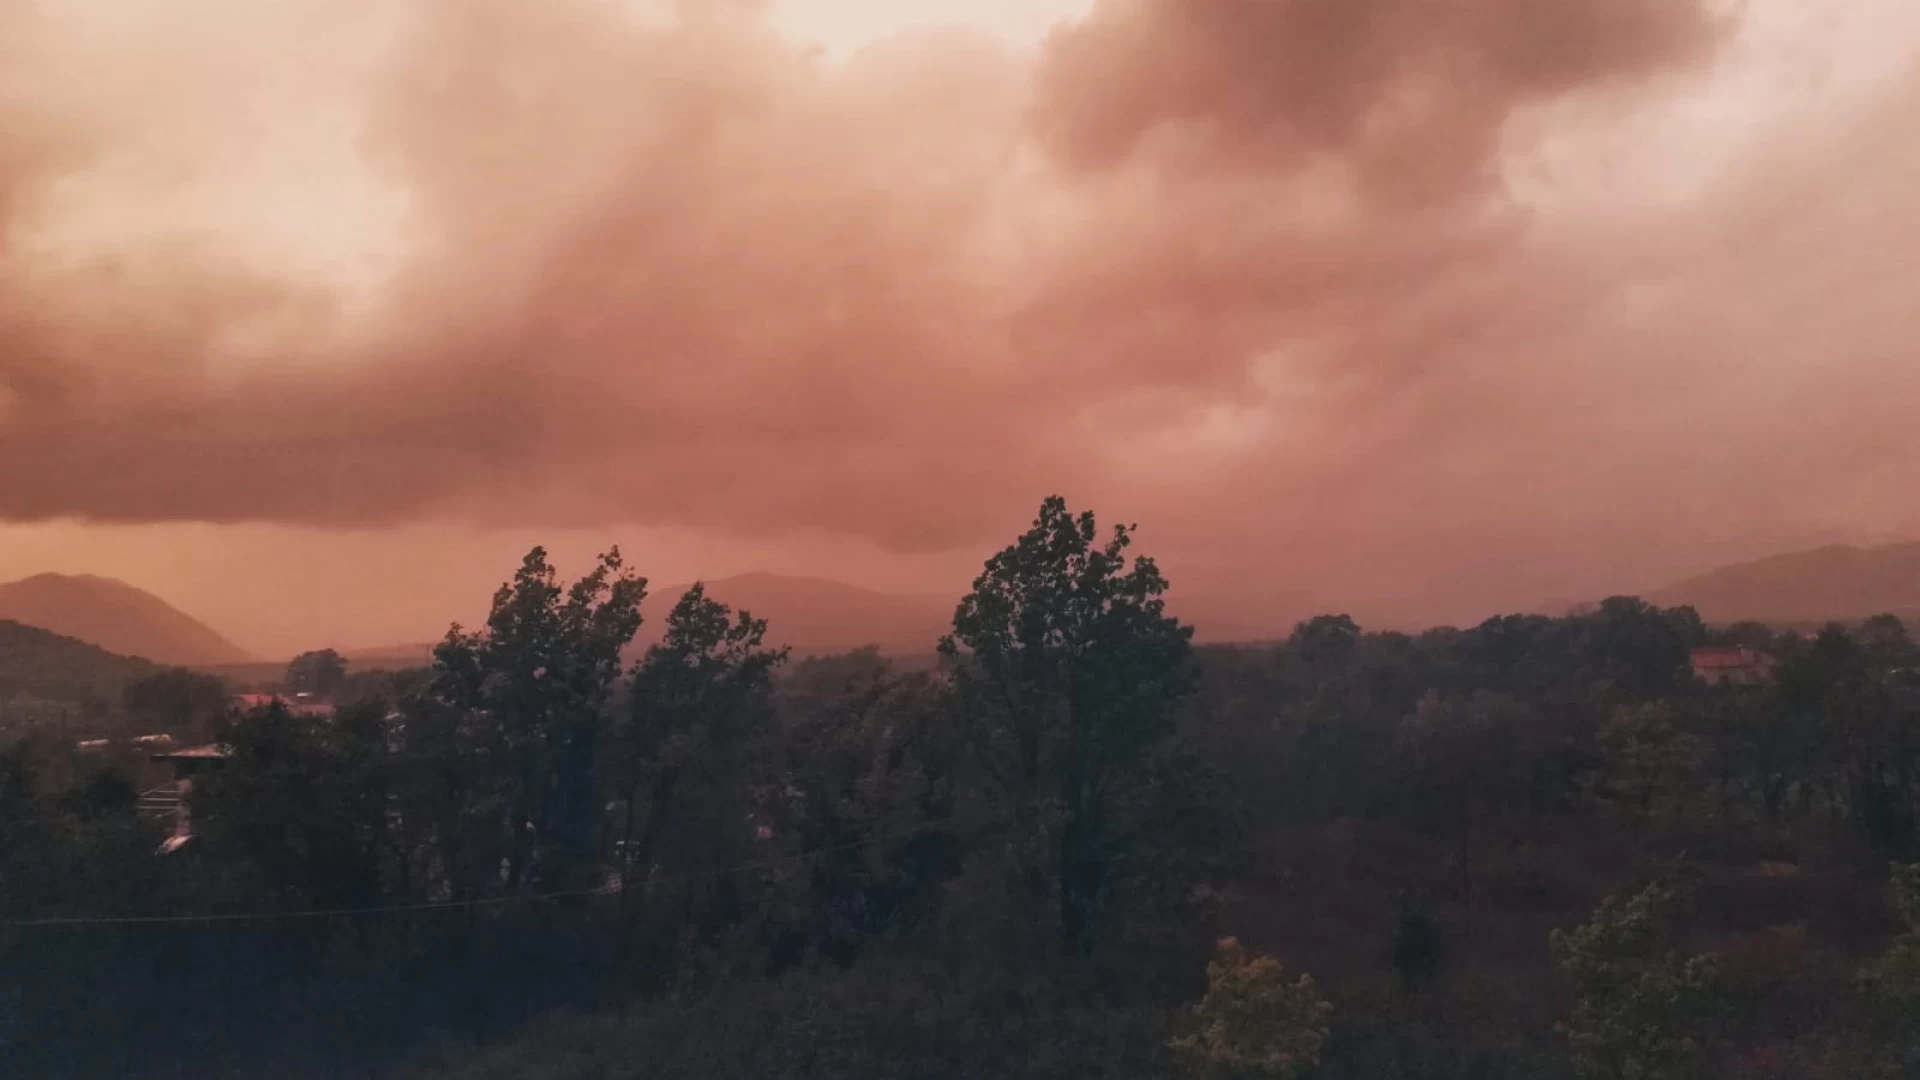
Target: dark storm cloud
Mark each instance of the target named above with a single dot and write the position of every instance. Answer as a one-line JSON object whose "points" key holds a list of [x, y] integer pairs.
{"points": [[1254, 267]]}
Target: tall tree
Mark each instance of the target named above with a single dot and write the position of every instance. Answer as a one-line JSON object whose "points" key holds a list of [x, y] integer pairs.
{"points": [[698, 701], [319, 673], [1070, 670], [539, 676]]}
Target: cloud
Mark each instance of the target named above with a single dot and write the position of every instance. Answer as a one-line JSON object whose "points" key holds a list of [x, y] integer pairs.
{"points": [[1408, 96], [1330, 280]]}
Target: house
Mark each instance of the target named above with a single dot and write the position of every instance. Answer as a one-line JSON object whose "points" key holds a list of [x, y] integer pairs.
{"points": [[146, 742], [297, 705], [1732, 665], [173, 799]]}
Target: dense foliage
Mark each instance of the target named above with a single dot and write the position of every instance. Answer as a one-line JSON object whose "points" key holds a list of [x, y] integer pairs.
{"points": [[1535, 848], [46, 678]]}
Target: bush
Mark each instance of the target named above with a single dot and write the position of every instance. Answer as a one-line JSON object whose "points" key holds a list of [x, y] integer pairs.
{"points": [[1253, 1021], [1642, 1010]]}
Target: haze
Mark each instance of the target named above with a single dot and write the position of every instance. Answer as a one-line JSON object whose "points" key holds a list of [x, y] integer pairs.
{"points": [[314, 314]]}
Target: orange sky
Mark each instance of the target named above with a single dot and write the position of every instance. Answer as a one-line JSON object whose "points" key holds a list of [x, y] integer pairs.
{"points": [[315, 313]]}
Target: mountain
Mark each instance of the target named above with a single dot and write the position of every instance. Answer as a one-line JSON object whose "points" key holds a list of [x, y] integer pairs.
{"points": [[39, 666], [814, 615], [1808, 587], [117, 617]]}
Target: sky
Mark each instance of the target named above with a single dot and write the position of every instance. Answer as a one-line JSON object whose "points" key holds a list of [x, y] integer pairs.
{"points": [[315, 314]]}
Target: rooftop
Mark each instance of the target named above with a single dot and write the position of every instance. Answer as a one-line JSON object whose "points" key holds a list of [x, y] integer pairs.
{"points": [[209, 752]]}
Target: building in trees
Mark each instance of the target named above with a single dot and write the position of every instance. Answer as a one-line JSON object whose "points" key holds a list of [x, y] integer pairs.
{"points": [[301, 704], [172, 800], [1732, 665]]}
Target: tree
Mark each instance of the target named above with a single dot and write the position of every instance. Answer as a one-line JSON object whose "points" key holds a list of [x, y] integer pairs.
{"points": [[866, 751], [1642, 1010], [536, 680], [1326, 645], [1069, 671], [304, 802], [1253, 1021], [1463, 761], [1638, 650], [1647, 762], [1887, 644], [106, 792], [1837, 687], [176, 700], [1893, 981], [697, 702], [319, 673]]}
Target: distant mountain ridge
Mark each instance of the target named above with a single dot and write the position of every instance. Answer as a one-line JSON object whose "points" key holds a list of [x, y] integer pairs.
{"points": [[116, 617], [1835, 583], [816, 615]]}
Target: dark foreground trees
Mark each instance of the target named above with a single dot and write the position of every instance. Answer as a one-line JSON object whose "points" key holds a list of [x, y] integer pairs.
{"points": [[533, 687], [1015, 863], [1067, 671]]}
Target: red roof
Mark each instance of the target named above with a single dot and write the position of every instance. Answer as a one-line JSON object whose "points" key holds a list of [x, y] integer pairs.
{"points": [[295, 706]]}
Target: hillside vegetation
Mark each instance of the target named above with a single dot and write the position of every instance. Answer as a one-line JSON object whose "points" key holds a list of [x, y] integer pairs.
{"points": [[39, 669], [1076, 847]]}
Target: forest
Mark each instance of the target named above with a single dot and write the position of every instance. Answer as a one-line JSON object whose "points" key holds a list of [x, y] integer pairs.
{"points": [[1076, 845]]}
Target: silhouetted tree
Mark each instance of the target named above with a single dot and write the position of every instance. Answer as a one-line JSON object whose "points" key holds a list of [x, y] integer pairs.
{"points": [[318, 673], [1069, 671], [537, 678], [699, 705]]}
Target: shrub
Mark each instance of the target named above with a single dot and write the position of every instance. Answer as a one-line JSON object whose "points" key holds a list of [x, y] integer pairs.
{"points": [[1642, 1009], [1253, 1021]]}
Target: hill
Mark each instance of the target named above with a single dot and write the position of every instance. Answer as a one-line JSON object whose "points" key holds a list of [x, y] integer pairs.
{"points": [[1808, 587], [813, 616], [117, 617], [38, 667]]}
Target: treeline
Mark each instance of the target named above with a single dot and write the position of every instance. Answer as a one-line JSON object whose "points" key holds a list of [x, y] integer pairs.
{"points": [[57, 682], [1532, 848]]}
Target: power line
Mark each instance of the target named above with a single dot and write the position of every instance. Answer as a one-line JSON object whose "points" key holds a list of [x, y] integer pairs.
{"points": [[492, 901]]}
